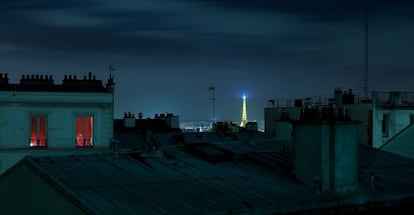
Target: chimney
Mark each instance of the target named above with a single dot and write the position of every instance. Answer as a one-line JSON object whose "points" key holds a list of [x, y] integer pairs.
{"points": [[129, 120], [338, 96], [325, 154], [4, 80]]}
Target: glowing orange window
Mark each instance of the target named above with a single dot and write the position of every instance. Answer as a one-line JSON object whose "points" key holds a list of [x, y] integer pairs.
{"points": [[84, 131], [38, 136]]}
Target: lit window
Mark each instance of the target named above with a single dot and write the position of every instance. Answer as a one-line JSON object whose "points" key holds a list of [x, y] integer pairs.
{"points": [[38, 131], [84, 131]]}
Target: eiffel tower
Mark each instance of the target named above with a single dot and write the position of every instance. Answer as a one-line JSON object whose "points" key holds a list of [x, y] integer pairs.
{"points": [[244, 113]]}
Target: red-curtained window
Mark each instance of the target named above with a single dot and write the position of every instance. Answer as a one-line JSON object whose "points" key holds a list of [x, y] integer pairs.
{"points": [[38, 136], [84, 131]]}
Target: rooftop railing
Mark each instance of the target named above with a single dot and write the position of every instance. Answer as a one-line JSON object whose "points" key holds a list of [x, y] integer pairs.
{"points": [[378, 97]]}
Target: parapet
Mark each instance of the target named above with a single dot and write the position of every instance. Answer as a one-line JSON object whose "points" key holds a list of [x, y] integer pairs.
{"points": [[36, 81], [45, 83], [88, 83]]}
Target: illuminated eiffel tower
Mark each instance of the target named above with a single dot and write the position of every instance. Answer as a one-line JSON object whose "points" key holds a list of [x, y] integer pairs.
{"points": [[244, 113]]}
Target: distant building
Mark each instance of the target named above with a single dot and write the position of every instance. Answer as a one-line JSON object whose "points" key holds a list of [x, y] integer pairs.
{"points": [[39, 114], [141, 133], [170, 119], [382, 117], [250, 126], [225, 127], [160, 122]]}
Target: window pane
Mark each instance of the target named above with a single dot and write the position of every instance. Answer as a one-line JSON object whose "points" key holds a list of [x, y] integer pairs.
{"points": [[42, 131], [79, 131], [38, 129], [88, 130], [33, 131], [84, 131]]}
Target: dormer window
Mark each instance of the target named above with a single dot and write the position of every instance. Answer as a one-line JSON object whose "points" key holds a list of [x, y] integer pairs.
{"points": [[84, 131], [38, 136]]}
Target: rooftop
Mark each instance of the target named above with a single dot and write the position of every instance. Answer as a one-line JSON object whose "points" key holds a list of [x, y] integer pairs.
{"points": [[346, 97], [178, 181]]}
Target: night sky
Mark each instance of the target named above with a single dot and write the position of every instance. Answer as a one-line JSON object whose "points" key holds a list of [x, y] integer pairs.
{"points": [[167, 53]]}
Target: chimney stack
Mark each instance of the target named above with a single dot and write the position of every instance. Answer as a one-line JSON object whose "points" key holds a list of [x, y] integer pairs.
{"points": [[129, 120], [325, 153]]}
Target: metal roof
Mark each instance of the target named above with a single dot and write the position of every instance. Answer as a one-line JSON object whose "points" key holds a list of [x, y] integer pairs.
{"points": [[177, 182]]}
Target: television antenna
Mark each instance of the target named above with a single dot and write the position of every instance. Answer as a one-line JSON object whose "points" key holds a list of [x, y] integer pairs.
{"points": [[213, 99], [366, 49], [111, 71]]}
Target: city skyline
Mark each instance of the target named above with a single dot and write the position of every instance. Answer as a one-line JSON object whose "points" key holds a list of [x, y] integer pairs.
{"points": [[168, 53]]}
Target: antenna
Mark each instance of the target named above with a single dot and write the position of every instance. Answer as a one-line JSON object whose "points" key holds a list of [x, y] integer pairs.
{"points": [[366, 48], [213, 99], [111, 71]]}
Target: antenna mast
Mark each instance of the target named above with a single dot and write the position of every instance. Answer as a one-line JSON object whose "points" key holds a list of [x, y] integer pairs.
{"points": [[366, 48], [111, 71], [213, 99]]}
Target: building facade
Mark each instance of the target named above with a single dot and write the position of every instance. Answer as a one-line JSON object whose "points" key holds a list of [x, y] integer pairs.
{"points": [[39, 114], [381, 117]]}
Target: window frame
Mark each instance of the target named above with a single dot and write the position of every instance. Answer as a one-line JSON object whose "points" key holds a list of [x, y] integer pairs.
{"points": [[38, 134], [87, 142]]}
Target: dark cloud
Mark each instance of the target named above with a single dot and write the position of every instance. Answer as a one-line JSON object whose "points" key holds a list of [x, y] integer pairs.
{"points": [[317, 10], [11, 5], [168, 52], [321, 10]]}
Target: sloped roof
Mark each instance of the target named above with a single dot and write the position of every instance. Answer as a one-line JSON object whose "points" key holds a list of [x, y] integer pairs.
{"points": [[177, 182]]}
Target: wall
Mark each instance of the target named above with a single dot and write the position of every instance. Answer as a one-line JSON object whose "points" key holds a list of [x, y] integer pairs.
{"points": [[399, 118], [325, 154], [402, 144], [344, 155], [272, 115], [360, 113], [61, 110], [283, 129], [311, 148]]}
